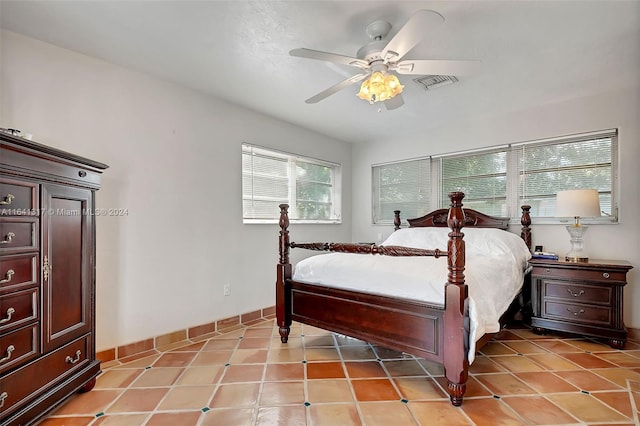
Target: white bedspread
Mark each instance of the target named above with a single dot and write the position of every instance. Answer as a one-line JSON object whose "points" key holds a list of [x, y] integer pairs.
{"points": [[495, 266]]}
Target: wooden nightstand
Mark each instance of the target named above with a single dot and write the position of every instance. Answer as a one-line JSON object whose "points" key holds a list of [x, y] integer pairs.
{"points": [[583, 298]]}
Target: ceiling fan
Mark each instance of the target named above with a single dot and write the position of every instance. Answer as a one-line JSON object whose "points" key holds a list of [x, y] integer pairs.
{"points": [[380, 59]]}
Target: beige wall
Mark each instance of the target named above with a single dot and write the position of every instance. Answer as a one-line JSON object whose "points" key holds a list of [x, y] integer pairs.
{"points": [[174, 157]]}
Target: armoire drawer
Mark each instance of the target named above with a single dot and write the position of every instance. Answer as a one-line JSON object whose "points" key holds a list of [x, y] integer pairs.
{"points": [[18, 198], [32, 377], [18, 234], [18, 271], [18, 347], [18, 308]]}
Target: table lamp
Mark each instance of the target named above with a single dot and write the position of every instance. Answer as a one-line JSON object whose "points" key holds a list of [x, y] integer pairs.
{"points": [[577, 203]]}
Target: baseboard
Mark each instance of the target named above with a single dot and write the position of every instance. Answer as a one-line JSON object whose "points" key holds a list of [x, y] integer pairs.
{"points": [[633, 333], [157, 344]]}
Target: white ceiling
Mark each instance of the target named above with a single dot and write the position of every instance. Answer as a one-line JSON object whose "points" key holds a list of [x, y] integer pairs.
{"points": [[532, 53]]}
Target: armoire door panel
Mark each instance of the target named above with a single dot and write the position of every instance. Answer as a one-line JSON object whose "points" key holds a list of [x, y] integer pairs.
{"points": [[66, 271]]}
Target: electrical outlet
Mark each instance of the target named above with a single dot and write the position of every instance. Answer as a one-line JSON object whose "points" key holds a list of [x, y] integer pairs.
{"points": [[227, 289]]}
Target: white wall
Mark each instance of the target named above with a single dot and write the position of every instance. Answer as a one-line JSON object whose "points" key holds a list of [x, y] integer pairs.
{"points": [[620, 109], [174, 157]]}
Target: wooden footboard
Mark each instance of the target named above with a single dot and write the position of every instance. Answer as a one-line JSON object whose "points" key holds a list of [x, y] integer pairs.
{"points": [[404, 325]]}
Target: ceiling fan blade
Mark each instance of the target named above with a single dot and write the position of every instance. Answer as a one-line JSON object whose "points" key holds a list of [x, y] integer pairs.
{"points": [[436, 67], [329, 57], [413, 32], [336, 88], [396, 102]]}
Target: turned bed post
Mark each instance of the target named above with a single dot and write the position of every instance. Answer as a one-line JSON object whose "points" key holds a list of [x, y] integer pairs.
{"points": [[283, 296], [456, 345]]}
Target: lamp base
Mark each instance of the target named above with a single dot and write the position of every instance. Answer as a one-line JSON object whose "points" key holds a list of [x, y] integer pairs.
{"points": [[577, 252]]}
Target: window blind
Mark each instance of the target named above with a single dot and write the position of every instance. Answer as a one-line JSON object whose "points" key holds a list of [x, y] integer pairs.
{"points": [[404, 186], [498, 180], [546, 168], [481, 176], [271, 178]]}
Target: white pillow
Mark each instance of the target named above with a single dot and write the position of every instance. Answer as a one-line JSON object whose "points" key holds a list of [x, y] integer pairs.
{"points": [[478, 241], [423, 238]]}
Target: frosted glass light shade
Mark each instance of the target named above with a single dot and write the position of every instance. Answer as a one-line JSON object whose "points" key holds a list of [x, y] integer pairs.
{"points": [[578, 203], [380, 87]]}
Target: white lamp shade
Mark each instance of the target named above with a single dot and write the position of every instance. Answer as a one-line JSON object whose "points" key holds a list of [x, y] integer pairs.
{"points": [[578, 203]]}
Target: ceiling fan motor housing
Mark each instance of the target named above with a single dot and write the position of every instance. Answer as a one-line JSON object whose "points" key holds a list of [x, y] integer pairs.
{"points": [[371, 51]]}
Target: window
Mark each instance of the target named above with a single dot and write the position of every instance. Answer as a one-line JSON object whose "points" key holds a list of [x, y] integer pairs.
{"points": [[482, 177], [404, 186], [497, 181], [270, 178], [578, 163]]}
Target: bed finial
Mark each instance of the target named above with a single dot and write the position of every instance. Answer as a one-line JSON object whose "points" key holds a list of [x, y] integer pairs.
{"points": [[396, 220], [525, 220], [284, 233]]}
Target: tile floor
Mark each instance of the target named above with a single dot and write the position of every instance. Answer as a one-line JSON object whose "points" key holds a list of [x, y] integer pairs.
{"points": [[247, 377]]}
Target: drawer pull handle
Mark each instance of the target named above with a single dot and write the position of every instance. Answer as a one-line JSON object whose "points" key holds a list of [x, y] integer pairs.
{"points": [[10, 349], [576, 313], [606, 275], [571, 292], [3, 398], [8, 238], [8, 199], [70, 360], [8, 276], [10, 312]]}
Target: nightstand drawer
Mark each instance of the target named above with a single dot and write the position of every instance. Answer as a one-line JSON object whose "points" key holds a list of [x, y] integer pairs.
{"points": [[577, 313], [600, 275], [577, 293]]}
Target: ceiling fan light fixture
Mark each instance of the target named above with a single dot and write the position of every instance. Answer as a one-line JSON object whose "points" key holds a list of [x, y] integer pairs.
{"points": [[379, 87]]}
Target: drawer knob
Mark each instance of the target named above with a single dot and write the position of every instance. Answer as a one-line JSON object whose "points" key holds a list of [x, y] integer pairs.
{"points": [[8, 238], [82, 173], [574, 294], [606, 275], [10, 312], [7, 276], [547, 270], [576, 313], [10, 349], [8, 199], [70, 360], [3, 398]]}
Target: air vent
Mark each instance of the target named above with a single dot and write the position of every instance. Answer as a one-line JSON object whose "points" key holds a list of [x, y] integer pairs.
{"points": [[432, 81]]}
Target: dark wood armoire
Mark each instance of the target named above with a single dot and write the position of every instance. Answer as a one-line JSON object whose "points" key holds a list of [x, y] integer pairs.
{"points": [[47, 277]]}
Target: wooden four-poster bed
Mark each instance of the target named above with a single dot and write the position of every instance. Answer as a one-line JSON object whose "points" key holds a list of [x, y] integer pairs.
{"points": [[434, 331]]}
